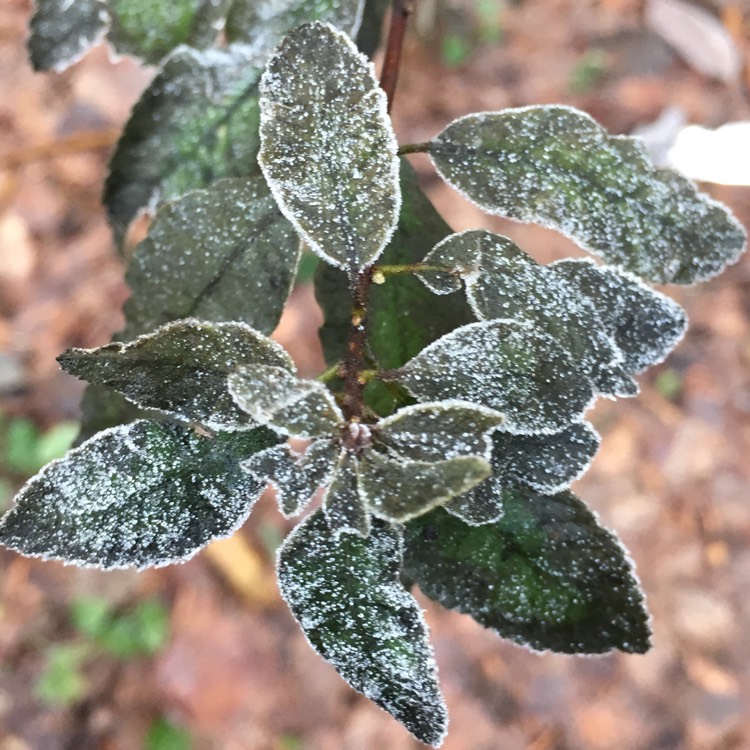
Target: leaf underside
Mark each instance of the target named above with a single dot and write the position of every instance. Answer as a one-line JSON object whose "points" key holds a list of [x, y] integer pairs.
{"points": [[328, 149], [556, 167], [346, 594], [220, 254], [139, 495], [181, 369], [546, 575]]}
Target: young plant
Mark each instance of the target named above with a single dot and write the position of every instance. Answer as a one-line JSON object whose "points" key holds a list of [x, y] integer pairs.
{"points": [[451, 420]]}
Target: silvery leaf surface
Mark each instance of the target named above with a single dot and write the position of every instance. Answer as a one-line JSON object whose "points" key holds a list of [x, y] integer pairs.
{"points": [[343, 503], [276, 397], [196, 122], [180, 369], [645, 324], [555, 166], [347, 597], [546, 574], [507, 366], [139, 495], [219, 254], [398, 490], [328, 150], [502, 281]]}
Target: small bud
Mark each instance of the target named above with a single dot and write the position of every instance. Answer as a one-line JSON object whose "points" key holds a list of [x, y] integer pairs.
{"points": [[378, 277]]}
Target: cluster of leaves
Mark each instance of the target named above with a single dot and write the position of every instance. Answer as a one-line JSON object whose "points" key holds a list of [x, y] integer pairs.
{"points": [[450, 424]]}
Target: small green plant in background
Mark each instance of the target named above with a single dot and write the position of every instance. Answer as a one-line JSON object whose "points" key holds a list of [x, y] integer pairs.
{"points": [[588, 72], [164, 735], [141, 631], [449, 423]]}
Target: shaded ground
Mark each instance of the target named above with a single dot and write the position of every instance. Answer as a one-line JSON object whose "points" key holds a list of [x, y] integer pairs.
{"points": [[672, 475]]}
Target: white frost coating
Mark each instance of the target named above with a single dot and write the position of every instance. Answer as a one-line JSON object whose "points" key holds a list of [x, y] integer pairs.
{"points": [[505, 365], [556, 167], [139, 495], [328, 150], [346, 595]]}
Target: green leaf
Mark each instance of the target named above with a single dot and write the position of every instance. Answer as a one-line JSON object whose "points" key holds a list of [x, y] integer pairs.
{"points": [[295, 477], [398, 490], [645, 324], [163, 735], [507, 366], [346, 594], [196, 122], [142, 631], [502, 281], [546, 575], [343, 503], [180, 369], [61, 32], [140, 495], [62, 682], [545, 463], [264, 23], [433, 432], [371, 29], [276, 397], [556, 167], [90, 615], [402, 316], [102, 408], [328, 148], [224, 253]]}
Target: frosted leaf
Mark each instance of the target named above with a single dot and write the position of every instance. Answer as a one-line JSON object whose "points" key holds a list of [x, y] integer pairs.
{"points": [[402, 316], [546, 575], [507, 366], [343, 504], [181, 369], [196, 122], [557, 167], [225, 253], [502, 281], [295, 477], [62, 31], [276, 397], [346, 595], [442, 430], [139, 495], [399, 490], [645, 324], [262, 24], [328, 150]]}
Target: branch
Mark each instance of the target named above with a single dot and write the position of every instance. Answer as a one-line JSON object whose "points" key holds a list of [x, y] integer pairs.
{"points": [[400, 13]]}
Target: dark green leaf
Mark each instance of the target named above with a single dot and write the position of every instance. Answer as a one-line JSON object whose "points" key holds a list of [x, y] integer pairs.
{"points": [[196, 122], [644, 324], [504, 282], [264, 23], [180, 369], [328, 148], [546, 575], [102, 408], [276, 397], [139, 495], [505, 365], [149, 29], [398, 490], [556, 167], [225, 253], [371, 29], [346, 594], [63, 31], [343, 503]]}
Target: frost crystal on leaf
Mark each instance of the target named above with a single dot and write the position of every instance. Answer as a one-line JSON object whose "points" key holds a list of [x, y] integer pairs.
{"points": [[181, 369], [546, 575], [504, 282], [556, 167], [343, 502], [328, 150], [225, 253], [346, 594], [139, 495], [505, 365]]}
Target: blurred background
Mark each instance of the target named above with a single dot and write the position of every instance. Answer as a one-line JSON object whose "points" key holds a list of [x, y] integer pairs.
{"points": [[205, 655]]}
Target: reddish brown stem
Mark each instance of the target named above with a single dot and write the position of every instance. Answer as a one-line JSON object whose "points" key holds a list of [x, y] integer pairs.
{"points": [[400, 12], [354, 360]]}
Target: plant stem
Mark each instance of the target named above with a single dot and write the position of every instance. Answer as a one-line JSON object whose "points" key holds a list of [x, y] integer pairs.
{"points": [[414, 148], [360, 280], [400, 12], [397, 270]]}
